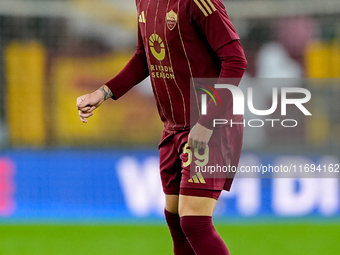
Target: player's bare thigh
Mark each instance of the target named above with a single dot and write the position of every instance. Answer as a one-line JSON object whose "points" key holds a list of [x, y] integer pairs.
{"points": [[190, 205], [171, 203]]}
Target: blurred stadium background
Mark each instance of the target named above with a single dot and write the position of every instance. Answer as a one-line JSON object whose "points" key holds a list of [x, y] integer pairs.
{"points": [[70, 188]]}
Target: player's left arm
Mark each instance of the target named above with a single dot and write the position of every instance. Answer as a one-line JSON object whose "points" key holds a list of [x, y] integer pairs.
{"points": [[215, 25], [233, 66]]}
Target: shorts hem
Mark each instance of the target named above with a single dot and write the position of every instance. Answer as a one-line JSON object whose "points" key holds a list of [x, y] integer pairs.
{"points": [[171, 192], [215, 194]]}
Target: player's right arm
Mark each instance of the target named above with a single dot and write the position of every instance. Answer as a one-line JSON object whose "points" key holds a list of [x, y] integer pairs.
{"points": [[133, 73]]}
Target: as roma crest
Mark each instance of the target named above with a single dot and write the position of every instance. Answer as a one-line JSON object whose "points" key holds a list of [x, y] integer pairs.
{"points": [[171, 19]]}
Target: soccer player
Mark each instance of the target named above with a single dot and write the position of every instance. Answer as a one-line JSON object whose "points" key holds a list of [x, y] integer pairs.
{"points": [[179, 40]]}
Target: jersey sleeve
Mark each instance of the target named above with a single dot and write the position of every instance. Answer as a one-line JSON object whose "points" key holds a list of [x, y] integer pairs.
{"points": [[233, 65], [213, 21], [133, 73]]}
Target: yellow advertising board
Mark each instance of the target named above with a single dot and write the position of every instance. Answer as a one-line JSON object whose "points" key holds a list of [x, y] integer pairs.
{"points": [[25, 81]]}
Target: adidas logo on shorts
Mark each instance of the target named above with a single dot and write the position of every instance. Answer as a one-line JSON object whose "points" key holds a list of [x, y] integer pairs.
{"points": [[197, 178]]}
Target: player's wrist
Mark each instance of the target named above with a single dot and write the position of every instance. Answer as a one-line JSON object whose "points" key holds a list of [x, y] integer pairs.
{"points": [[105, 92], [98, 95], [204, 123]]}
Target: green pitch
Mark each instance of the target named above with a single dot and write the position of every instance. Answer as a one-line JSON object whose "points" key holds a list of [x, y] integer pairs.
{"points": [[255, 239]]}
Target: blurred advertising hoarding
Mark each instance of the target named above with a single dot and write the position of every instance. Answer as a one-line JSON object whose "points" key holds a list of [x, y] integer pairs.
{"points": [[114, 185]]}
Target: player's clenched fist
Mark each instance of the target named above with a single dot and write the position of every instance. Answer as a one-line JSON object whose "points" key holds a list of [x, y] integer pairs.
{"points": [[86, 104]]}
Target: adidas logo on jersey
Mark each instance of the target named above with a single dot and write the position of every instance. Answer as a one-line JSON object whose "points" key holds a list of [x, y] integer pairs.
{"points": [[197, 178], [207, 7], [141, 17]]}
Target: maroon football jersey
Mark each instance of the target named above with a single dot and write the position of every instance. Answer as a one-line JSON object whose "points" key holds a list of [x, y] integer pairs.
{"points": [[179, 39]]}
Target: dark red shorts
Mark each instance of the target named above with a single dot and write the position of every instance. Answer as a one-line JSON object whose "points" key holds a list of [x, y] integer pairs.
{"points": [[178, 162]]}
